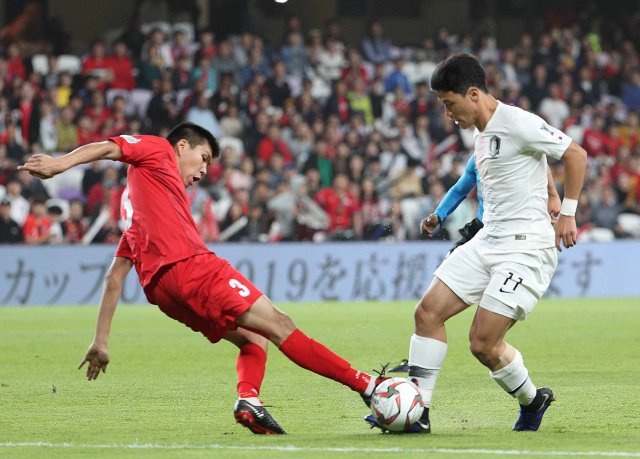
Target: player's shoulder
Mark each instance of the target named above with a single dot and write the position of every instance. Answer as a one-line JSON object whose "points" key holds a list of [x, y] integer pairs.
{"points": [[517, 114], [144, 142], [144, 138], [520, 122]]}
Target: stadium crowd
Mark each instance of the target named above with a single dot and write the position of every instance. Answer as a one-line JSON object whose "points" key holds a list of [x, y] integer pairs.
{"points": [[321, 139]]}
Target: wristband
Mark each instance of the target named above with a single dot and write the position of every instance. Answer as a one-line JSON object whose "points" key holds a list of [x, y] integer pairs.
{"points": [[569, 207]]}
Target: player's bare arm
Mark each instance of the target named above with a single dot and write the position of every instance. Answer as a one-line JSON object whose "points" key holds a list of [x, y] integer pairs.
{"points": [[553, 205], [428, 225], [575, 164], [45, 166], [97, 355]]}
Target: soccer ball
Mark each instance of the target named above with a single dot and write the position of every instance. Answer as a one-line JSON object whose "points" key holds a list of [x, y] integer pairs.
{"points": [[396, 404]]}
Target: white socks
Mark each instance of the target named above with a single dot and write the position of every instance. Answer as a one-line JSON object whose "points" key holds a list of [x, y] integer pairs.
{"points": [[514, 379], [425, 360], [255, 401], [371, 386]]}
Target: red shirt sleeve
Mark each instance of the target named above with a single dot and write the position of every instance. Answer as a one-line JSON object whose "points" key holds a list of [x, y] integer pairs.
{"points": [[143, 150], [123, 250]]}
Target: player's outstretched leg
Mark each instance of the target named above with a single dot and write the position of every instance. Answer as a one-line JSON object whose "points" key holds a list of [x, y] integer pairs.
{"points": [[250, 367], [305, 352]]}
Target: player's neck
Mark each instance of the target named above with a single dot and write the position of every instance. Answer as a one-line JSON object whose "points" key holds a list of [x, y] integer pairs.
{"points": [[488, 106]]}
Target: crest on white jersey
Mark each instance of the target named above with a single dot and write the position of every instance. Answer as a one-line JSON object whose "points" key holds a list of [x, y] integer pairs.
{"points": [[494, 147], [130, 138]]}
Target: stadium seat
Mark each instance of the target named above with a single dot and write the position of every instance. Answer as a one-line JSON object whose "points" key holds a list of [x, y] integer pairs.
{"points": [[597, 235], [71, 194], [186, 28], [235, 144], [630, 223], [147, 27], [140, 99], [113, 93], [40, 64], [62, 203], [72, 179], [69, 63]]}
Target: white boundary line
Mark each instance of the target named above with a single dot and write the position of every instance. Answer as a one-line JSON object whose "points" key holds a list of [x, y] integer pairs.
{"points": [[291, 448]]}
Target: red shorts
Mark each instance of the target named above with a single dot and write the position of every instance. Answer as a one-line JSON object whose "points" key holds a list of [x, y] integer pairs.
{"points": [[204, 292]]}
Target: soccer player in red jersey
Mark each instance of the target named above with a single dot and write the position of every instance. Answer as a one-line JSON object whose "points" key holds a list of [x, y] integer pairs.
{"points": [[178, 273]]}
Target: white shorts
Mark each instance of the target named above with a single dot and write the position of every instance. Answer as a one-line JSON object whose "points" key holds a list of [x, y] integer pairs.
{"points": [[507, 283]]}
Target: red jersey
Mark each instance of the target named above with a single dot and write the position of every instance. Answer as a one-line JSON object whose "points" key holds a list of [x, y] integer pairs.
{"points": [[159, 228], [36, 228], [340, 209], [122, 72]]}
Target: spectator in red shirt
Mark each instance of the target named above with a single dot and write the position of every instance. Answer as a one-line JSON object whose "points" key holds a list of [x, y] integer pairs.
{"points": [[97, 64], [75, 227], [595, 140], [271, 143], [180, 47], [354, 70], [15, 63], [86, 130], [36, 226], [117, 124], [342, 206], [98, 110], [29, 110], [338, 103], [121, 67], [208, 48]]}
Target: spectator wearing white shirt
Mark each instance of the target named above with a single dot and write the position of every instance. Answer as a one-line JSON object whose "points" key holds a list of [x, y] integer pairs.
{"points": [[330, 61], [19, 205], [553, 107], [202, 115]]}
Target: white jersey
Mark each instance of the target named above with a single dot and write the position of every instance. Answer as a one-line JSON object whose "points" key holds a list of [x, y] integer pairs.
{"points": [[512, 165]]}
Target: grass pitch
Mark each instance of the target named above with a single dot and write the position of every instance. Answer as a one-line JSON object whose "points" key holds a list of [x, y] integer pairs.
{"points": [[169, 393]]}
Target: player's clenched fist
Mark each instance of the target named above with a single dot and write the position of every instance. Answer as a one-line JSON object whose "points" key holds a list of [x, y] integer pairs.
{"points": [[429, 224]]}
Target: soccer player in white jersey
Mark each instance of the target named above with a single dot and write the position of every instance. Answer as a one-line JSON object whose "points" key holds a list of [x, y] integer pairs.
{"points": [[506, 268]]}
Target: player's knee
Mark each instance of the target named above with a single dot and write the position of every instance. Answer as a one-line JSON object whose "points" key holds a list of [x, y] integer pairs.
{"points": [[425, 315], [482, 349], [282, 327], [263, 343], [260, 340]]}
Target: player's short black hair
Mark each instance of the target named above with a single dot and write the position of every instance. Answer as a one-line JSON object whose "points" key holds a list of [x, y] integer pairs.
{"points": [[195, 135], [458, 73]]}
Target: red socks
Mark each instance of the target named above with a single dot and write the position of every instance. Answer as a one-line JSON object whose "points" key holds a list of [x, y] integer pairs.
{"points": [[250, 368], [313, 356]]}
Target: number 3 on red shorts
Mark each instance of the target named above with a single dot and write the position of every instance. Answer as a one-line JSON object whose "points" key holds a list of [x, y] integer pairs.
{"points": [[243, 291]]}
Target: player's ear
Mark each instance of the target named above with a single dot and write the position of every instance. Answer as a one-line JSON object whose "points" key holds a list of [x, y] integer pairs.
{"points": [[474, 93], [180, 146]]}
